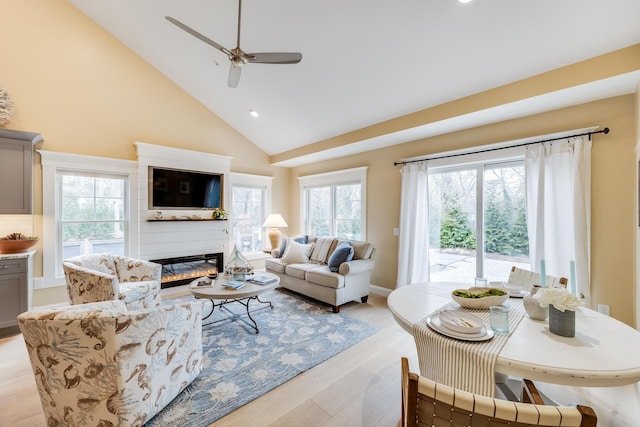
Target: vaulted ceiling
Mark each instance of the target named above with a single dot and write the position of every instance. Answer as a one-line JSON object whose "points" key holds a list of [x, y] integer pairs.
{"points": [[369, 61]]}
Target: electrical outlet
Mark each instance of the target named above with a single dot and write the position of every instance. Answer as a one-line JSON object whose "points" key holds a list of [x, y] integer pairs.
{"points": [[603, 308], [396, 231]]}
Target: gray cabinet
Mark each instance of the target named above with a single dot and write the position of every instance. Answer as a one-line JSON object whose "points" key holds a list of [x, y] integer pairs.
{"points": [[14, 290], [16, 171]]}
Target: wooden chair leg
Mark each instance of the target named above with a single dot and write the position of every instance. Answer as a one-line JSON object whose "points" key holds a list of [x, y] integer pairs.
{"points": [[530, 393], [589, 418], [409, 395]]}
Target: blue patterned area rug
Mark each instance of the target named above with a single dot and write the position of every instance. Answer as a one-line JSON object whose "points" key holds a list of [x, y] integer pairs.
{"points": [[240, 365]]}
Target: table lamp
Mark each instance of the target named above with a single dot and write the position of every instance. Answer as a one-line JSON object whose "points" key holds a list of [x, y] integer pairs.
{"points": [[274, 221]]}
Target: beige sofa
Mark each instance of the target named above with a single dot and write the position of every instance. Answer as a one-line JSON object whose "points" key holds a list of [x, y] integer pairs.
{"points": [[312, 276]]}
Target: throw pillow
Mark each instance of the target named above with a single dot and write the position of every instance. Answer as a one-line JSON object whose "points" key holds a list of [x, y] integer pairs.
{"points": [[283, 246], [343, 253], [297, 252]]}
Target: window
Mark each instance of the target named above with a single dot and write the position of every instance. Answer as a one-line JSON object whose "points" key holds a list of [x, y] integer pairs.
{"points": [[251, 201], [92, 211], [477, 220], [334, 204], [86, 204]]}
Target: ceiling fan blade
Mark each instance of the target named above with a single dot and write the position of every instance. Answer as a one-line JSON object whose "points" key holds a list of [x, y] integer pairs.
{"points": [[274, 57], [198, 35], [234, 75]]}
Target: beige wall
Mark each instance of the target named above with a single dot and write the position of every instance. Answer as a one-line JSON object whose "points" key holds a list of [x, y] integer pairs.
{"points": [[87, 93], [636, 271], [613, 178]]}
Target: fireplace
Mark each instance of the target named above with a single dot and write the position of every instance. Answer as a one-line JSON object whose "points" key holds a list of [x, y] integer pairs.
{"points": [[183, 270]]}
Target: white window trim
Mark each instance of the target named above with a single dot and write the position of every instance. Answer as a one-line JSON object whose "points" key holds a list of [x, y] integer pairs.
{"points": [[256, 181], [336, 178], [54, 161]]}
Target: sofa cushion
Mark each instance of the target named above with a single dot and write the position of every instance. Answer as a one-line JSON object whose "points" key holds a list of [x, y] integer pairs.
{"points": [[285, 241], [321, 250], [324, 277], [275, 264], [300, 271], [342, 253], [297, 252], [361, 250]]}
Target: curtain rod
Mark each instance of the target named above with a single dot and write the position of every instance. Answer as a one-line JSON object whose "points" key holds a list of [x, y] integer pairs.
{"points": [[605, 131]]}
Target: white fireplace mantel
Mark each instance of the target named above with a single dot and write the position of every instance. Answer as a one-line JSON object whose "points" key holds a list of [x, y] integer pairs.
{"points": [[166, 239]]}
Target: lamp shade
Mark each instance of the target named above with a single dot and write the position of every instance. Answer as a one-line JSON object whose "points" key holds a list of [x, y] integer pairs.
{"points": [[275, 221]]}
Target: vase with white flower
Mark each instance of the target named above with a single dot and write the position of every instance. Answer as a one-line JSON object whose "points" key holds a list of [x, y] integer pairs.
{"points": [[562, 310]]}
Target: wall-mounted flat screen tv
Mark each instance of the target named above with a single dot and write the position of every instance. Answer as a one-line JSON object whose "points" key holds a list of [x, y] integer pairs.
{"points": [[183, 189]]}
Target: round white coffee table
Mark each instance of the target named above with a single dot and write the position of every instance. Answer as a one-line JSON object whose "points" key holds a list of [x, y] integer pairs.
{"points": [[220, 296]]}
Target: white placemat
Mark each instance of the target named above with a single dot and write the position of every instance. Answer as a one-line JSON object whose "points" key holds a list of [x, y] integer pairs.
{"points": [[466, 365]]}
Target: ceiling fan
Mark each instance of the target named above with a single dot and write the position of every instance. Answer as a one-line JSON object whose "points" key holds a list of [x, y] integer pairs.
{"points": [[237, 56]]}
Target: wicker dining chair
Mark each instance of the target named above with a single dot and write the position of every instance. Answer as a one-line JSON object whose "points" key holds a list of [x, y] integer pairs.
{"points": [[427, 403]]}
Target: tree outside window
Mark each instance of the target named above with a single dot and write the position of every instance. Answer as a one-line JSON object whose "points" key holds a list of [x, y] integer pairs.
{"points": [[92, 214], [248, 217], [335, 211]]}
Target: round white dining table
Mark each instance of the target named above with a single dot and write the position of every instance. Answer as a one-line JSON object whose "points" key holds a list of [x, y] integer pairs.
{"points": [[604, 352]]}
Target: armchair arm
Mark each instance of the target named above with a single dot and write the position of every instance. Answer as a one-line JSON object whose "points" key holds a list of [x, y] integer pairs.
{"points": [[356, 266], [140, 295], [84, 285]]}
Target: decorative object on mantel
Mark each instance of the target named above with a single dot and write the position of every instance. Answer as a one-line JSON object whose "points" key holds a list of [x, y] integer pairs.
{"points": [[562, 306], [16, 242], [218, 213], [158, 216], [6, 107], [533, 307]]}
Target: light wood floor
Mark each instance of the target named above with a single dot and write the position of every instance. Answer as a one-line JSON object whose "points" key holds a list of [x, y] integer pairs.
{"points": [[358, 387]]}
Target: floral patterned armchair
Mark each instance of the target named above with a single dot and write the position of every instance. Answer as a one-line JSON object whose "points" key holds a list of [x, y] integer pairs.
{"points": [[100, 365], [104, 277]]}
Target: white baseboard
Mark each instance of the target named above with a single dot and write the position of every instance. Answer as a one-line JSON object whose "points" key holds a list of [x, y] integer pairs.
{"points": [[379, 290]]}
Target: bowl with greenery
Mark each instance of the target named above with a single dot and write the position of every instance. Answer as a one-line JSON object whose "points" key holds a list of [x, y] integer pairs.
{"points": [[16, 242], [480, 297]]}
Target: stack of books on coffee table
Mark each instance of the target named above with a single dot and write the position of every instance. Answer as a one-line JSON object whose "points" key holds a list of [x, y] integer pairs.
{"points": [[234, 284], [263, 280]]}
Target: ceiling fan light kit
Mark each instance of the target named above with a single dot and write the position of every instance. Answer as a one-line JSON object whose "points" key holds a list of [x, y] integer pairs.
{"points": [[237, 56]]}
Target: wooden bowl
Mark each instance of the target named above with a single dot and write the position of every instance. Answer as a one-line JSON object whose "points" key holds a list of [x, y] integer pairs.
{"points": [[482, 302], [16, 246]]}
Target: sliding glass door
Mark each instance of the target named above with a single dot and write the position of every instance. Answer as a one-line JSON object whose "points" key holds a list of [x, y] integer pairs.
{"points": [[477, 221]]}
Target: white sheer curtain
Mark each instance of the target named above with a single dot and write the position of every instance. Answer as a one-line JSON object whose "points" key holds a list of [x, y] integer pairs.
{"points": [[558, 177], [413, 246]]}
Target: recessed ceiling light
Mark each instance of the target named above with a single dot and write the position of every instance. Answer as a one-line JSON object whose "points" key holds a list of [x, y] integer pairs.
{"points": [[465, 1], [254, 113]]}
